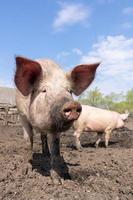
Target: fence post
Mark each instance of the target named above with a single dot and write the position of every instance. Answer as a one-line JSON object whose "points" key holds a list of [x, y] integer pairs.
{"points": [[6, 115]]}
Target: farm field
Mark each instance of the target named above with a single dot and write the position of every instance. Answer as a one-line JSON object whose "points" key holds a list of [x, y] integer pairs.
{"points": [[95, 174]]}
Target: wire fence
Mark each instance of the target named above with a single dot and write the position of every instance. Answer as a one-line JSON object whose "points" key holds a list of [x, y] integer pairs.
{"points": [[9, 115]]}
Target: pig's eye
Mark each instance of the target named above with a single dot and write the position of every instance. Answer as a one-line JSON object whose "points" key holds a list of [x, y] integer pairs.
{"points": [[70, 91], [44, 90]]}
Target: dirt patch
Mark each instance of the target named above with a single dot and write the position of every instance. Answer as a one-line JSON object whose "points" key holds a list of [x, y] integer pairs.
{"points": [[95, 174]]}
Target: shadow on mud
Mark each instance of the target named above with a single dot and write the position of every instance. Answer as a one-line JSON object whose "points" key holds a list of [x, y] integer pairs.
{"points": [[42, 165], [73, 147], [101, 144], [92, 145]]}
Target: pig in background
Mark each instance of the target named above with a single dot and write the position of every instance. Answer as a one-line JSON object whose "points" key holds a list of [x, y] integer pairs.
{"points": [[45, 103], [97, 120]]}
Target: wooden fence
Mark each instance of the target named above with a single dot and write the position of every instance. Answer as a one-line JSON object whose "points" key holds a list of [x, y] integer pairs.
{"points": [[9, 115]]}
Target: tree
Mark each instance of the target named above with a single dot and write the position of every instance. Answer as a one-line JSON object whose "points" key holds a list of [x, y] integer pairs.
{"points": [[93, 98], [111, 99], [114, 101], [129, 97], [129, 100]]}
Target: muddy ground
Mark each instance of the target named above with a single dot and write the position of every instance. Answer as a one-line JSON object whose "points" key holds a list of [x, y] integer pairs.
{"points": [[95, 174]]}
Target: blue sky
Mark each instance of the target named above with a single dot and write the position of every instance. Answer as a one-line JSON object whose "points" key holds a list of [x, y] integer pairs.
{"points": [[70, 32]]}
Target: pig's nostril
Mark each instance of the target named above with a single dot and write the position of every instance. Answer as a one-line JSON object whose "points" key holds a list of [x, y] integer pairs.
{"points": [[67, 110], [79, 110]]}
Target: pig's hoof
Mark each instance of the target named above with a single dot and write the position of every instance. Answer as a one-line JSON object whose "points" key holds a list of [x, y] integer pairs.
{"points": [[79, 148], [27, 167], [96, 146], [56, 179]]}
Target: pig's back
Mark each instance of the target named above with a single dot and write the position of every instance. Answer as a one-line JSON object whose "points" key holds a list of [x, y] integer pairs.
{"points": [[97, 119]]}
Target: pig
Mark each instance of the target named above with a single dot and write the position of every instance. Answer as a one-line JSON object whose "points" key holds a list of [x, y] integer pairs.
{"points": [[97, 120], [46, 106]]}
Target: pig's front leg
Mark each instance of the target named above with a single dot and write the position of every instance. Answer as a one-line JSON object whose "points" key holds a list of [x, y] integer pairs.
{"points": [[28, 136], [99, 137], [77, 140], [45, 148], [57, 161]]}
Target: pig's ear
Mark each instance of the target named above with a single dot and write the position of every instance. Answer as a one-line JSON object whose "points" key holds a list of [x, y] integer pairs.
{"points": [[124, 116], [81, 77], [27, 73]]}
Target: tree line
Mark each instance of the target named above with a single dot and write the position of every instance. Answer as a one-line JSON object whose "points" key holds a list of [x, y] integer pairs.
{"points": [[119, 102]]}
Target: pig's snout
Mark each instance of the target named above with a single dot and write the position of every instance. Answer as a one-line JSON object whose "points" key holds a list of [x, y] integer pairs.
{"points": [[71, 111], [64, 113]]}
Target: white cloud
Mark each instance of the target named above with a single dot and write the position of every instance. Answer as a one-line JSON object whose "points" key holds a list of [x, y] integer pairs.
{"points": [[70, 14], [128, 10], [116, 54]]}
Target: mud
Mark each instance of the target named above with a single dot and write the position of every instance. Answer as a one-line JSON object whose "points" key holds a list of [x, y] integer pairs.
{"points": [[95, 174]]}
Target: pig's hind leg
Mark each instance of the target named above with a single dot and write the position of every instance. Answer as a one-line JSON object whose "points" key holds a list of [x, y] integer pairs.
{"points": [[107, 136]]}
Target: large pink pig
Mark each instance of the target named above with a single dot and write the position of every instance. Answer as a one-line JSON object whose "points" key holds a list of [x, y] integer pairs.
{"points": [[97, 120], [45, 103]]}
